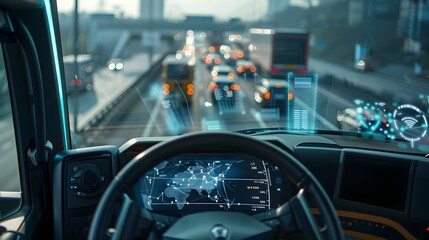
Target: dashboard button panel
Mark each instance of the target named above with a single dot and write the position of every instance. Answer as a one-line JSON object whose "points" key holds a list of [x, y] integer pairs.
{"points": [[88, 181]]}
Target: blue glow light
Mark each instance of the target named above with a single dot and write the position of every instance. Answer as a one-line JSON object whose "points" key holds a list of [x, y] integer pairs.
{"points": [[359, 110], [57, 70]]}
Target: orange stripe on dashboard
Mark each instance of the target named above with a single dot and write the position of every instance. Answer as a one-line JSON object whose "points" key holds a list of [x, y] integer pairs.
{"points": [[368, 217], [359, 235]]}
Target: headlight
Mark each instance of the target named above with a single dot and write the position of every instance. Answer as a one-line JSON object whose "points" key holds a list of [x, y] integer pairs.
{"points": [[119, 66]]}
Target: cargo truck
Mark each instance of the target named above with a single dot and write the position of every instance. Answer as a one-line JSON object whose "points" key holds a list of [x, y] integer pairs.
{"points": [[277, 52]]}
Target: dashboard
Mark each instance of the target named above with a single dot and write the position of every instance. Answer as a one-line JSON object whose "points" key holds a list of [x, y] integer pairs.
{"points": [[378, 194], [210, 181]]}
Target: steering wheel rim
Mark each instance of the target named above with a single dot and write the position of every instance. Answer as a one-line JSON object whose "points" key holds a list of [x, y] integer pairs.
{"points": [[225, 142]]}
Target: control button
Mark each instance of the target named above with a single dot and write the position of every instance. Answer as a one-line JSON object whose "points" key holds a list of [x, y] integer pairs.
{"points": [[88, 182]]}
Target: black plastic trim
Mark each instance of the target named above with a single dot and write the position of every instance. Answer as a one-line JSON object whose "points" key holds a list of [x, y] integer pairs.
{"points": [[61, 160]]}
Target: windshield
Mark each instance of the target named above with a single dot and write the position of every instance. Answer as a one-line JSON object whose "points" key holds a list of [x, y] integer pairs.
{"points": [[302, 66]]}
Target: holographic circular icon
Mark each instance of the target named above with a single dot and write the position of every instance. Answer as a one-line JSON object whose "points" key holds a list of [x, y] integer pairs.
{"points": [[371, 117], [374, 119], [410, 122]]}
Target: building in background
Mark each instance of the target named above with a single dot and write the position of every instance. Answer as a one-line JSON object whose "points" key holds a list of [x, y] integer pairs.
{"points": [[355, 12], [152, 9], [276, 6], [360, 11], [413, 24]]}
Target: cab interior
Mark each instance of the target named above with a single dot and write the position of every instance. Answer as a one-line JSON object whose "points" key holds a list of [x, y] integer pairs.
{"points": [[321, 186]]}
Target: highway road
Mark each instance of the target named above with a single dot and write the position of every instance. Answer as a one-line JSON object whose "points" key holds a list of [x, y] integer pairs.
{"points": [[150, 114], [107, 87]]}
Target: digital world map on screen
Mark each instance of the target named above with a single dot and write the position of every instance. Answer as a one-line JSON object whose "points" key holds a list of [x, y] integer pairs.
{"points": [[207, 183]]}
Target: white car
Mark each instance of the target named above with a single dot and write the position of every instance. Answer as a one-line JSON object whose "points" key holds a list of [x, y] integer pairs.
{"points": [[115, 64]]}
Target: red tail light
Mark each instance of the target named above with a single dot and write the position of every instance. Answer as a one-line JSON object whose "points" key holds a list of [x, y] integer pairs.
{"points": [[213, 86], [190, 89], [235, 87], [166, 88], [267, 95]]}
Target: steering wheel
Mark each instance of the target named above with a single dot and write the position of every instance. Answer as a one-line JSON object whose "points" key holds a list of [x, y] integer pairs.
{"points": [[292, 217]]}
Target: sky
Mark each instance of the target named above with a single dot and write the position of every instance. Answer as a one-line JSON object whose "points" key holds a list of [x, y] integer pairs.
{"points": [[177, 9]]}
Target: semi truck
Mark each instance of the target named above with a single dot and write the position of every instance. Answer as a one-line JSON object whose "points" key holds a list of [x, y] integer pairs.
{"points": [[278, 52]]}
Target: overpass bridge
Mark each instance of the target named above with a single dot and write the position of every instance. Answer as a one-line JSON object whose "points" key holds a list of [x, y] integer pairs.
{"points": [[169, 26], [112, 36]]}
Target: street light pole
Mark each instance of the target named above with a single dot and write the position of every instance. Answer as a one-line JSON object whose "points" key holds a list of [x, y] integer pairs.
{"points": [[76, 67]]}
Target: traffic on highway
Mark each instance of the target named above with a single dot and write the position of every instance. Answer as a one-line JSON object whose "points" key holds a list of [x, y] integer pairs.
{"points": [[169, 119]]}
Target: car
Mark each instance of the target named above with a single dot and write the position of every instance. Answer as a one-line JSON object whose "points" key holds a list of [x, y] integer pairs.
{"points": [[212, 59], [223, 87], [232, 56], [225, 95], [245, 67], [222, 70], [115, 64], [272, 93], [154, 169], [79, 73]]}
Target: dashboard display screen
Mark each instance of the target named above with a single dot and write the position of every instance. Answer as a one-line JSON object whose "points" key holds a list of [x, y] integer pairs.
{"points": [[375, 181], [212, 182]]}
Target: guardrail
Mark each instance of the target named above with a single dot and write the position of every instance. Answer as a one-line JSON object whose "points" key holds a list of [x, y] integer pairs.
{"points": [[108, 106]]}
